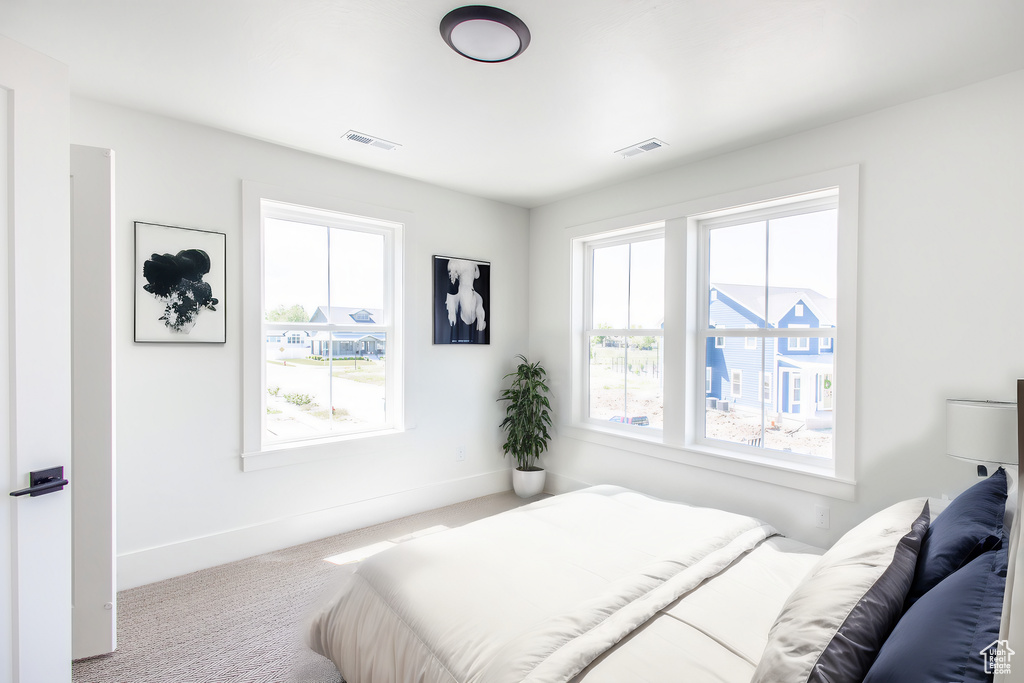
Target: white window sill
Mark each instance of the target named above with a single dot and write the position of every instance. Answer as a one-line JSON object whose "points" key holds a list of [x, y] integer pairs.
{"points": [[313, 450], [789, 474]]}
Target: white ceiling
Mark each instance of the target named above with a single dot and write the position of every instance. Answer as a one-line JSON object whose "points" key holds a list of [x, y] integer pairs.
{"points": [[705, 76]]}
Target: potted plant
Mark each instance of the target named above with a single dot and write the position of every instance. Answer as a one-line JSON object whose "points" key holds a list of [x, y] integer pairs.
{"points": [[526, 422]]}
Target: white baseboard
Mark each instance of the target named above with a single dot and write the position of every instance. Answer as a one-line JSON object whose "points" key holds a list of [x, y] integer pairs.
{"points": [[163, 562], [557, 483]]}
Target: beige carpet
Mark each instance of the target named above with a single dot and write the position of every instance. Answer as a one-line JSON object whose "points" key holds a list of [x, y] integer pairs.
{"points": [[243, 621]]}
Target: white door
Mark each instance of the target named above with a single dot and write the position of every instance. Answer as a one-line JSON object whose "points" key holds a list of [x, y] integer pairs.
{"points": [[94, 611], [35, 365]]}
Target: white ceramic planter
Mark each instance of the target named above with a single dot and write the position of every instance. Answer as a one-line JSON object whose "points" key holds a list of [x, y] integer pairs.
{"points": [[528, 484]]}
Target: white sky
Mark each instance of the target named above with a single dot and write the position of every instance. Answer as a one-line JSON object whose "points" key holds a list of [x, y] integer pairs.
{"points": [[300, 256], [803, 254], [629, 284]]}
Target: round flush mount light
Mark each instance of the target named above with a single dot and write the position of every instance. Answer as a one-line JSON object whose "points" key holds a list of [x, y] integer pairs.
{"points": [[485, 34]]}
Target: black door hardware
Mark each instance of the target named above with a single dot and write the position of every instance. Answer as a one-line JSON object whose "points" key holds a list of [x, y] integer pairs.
{"points": [[43, 482]]}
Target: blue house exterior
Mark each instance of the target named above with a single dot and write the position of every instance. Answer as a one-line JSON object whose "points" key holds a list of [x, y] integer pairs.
{"points": [[796, 378], [344, 344]]}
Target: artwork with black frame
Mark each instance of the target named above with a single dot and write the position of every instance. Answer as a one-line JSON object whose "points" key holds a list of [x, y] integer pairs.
{"points": [[179, 284], [462, 301]]}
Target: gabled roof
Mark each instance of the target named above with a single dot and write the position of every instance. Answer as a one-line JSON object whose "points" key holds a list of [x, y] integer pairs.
{"points": [[780, 301], [345, 314]]}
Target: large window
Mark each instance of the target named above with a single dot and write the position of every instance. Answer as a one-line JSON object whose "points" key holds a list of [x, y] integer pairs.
{"points": [[327, 310], [769, 266], [625, 327], [756, 286]]}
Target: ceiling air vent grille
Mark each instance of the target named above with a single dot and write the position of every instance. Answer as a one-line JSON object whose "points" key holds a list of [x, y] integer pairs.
{"points": [[641, 147], [369, 140]]}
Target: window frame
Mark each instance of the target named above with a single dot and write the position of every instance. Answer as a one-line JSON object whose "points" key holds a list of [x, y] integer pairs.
{"points": [[703, 225], [684, 395], [641, 233], [298, 205]]}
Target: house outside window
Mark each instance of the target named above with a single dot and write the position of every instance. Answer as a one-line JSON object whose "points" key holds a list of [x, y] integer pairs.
{"points": [[329, 287], [778, 270]]}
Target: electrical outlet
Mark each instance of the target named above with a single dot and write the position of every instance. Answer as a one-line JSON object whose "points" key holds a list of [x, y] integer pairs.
{"points": [[460, 454], [821, 516]]}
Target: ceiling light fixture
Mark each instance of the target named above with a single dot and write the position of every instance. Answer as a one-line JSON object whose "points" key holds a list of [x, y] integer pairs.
{"points": [[485, 34]]}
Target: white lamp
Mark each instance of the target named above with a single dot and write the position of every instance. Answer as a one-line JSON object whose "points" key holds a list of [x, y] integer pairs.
{"points": [[982, 432]]}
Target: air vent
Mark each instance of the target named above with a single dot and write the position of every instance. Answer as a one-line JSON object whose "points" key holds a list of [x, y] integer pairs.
{"points": [[641, 147], [369, 140]]}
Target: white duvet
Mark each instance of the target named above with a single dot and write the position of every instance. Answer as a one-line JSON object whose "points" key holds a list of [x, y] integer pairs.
{"points": [[534, 594]]}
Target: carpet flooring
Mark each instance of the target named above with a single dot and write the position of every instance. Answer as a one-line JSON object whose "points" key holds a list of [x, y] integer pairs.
{"points": [[243, 621]]}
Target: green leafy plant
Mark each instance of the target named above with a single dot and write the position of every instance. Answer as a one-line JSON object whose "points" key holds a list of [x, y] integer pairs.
{"points": [[527, 416], [298, 399]]}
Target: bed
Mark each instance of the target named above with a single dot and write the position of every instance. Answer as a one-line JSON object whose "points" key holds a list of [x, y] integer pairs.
{"points": [[607, 584]]}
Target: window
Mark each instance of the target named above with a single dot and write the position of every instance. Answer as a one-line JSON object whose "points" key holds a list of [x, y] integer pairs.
{"points": [[737, 384], [624, 329], [763, 259], [775, 266], [750, 342], [800, 343], [329, 286]]}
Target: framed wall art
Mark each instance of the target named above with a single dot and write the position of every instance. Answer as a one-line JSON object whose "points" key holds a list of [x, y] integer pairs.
{"points": [[462, 301], [179, 284]]}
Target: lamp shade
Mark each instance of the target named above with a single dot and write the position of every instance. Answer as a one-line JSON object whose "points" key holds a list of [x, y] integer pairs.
{"points": [[982, 431]]}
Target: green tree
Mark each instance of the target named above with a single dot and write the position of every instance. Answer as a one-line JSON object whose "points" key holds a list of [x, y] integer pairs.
{"points": [[598, 340], [290, 314]]}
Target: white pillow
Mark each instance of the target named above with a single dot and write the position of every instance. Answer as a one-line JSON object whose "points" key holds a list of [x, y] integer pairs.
{"points": [[833, 625]]}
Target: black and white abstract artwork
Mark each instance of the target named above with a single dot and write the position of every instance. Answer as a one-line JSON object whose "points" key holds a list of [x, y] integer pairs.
{"points": [[179, 284], [462, 301]]}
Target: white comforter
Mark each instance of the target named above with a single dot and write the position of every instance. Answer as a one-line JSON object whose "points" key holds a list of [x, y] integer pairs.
{"points": [[534, 594]]}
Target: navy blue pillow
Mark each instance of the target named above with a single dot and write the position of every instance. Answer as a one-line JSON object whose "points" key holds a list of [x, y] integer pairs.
{"points": [[970, 525], [942, 636]]}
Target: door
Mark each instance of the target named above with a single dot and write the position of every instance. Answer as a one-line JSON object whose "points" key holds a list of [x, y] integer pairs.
{"points": [[825, 391], [94, 610], [35, 365]]}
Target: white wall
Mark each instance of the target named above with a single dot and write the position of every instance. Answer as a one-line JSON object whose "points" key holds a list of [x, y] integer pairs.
{"points": [[183, 502], [941, 295]]}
